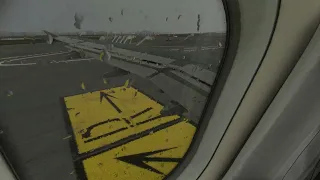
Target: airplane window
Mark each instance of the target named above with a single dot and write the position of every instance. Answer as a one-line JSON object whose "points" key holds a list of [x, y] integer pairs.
{"points": [[105, 89]]}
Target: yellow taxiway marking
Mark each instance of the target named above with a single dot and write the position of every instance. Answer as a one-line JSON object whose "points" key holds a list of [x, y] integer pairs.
{"points": [[96, 122], [107, 166], [101, 118]]}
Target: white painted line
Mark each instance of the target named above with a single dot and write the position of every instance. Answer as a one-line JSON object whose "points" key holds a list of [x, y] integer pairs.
{"points": [[13, 57], [73, 60], [210, 48], [53, 62], [167, 46], [189, 50], [35, 56], [215, 47], [9, 65]]}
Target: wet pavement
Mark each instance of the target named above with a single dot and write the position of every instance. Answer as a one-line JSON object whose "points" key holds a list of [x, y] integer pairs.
{"points": [[34, 80]]}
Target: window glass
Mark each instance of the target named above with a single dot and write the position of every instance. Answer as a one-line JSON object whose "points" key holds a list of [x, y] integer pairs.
{"points": [[105, 89]]}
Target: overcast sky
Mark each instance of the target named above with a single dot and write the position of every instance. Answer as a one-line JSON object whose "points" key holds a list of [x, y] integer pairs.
{"points": [[58, 15]]}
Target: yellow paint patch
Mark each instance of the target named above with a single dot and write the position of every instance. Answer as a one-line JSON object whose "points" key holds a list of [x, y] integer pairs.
{"points": [[101, 56], [105, 166], [83, 86], [126, 84], [101, 118], [89, 112]]}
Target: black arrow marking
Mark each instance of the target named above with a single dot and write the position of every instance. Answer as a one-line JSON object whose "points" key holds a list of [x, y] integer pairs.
{"points": [[126, 140], [142, 112], [105, 135], [127, 121], [140, 159], [107, 97], [174, 109], [68, 109], [87, 132]]}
